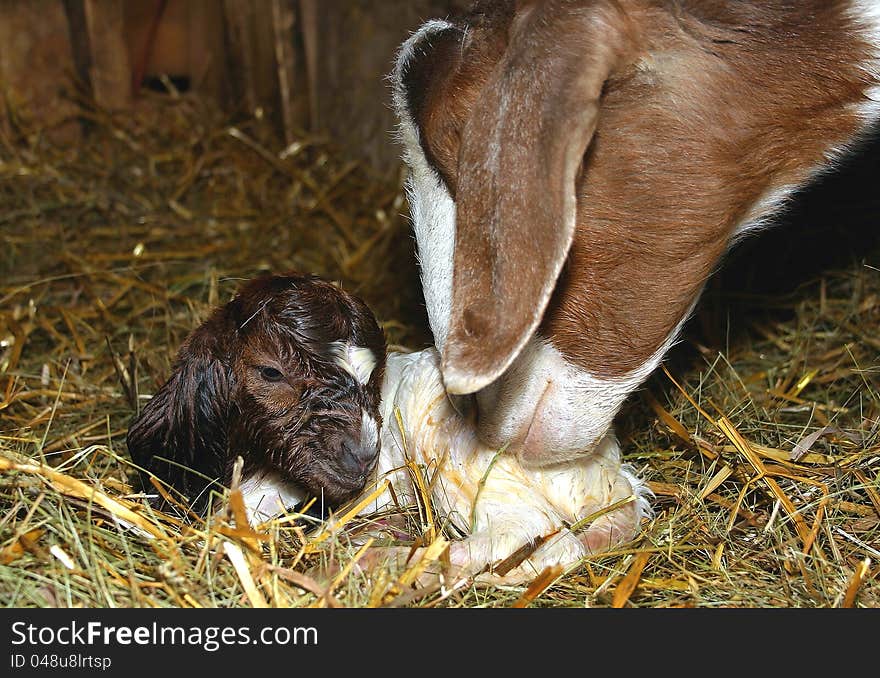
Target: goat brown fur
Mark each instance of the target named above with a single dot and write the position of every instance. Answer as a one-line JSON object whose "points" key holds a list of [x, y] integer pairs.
{"points": [[602, 156]]}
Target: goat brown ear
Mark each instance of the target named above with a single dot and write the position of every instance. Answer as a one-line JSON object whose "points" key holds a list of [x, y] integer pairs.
{"points": [[522, 148], [180, 435]]}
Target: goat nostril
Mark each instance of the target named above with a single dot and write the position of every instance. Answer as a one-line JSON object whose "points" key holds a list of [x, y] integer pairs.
{"points": [[356, 456]]}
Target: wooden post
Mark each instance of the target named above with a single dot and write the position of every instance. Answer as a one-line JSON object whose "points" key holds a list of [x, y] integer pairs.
{"points": [[252, 46], [283, 23], [36, 62], [110, 70], [207, 56], [310, 29], [350, 49]]}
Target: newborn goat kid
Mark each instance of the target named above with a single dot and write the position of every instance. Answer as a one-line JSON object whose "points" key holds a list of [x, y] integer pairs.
{"points": [[286, 375], [289, 374]]}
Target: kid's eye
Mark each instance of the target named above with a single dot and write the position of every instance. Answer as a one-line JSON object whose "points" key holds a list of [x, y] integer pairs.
{"points": [[271, 374]]}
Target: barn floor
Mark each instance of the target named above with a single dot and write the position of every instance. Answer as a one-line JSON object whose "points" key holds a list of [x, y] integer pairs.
{"points": [[112, 251]]}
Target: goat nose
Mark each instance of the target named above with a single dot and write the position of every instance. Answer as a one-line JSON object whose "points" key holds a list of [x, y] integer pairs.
{"points": [[357, 456]]}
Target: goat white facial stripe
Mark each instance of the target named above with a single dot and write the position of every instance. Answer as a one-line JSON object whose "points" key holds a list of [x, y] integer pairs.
{"points": [[431, 207], [358, 361]]}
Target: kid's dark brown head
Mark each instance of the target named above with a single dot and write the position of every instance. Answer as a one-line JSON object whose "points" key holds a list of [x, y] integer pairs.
{"points": [[288, 376]]}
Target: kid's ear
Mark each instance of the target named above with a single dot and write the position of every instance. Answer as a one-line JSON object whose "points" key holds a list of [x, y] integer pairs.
{"points": [[180, 436]]}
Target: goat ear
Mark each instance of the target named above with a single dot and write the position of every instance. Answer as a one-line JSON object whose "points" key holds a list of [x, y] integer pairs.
{"points": [[180, 435], [428, 64], [521, 155]]}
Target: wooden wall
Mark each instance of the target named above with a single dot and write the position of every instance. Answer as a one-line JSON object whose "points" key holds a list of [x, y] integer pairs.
{"points": [[354, 45], [319, 65], [36, 60]]}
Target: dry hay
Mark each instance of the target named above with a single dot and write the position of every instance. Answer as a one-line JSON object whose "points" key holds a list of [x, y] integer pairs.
{"points": [[112, 251]]}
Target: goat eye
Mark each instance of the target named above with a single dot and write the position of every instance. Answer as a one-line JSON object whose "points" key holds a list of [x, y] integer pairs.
{"points": [[271, 374]]}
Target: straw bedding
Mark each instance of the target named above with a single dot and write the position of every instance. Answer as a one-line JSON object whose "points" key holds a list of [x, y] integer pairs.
{"points": [[759, 437]]}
